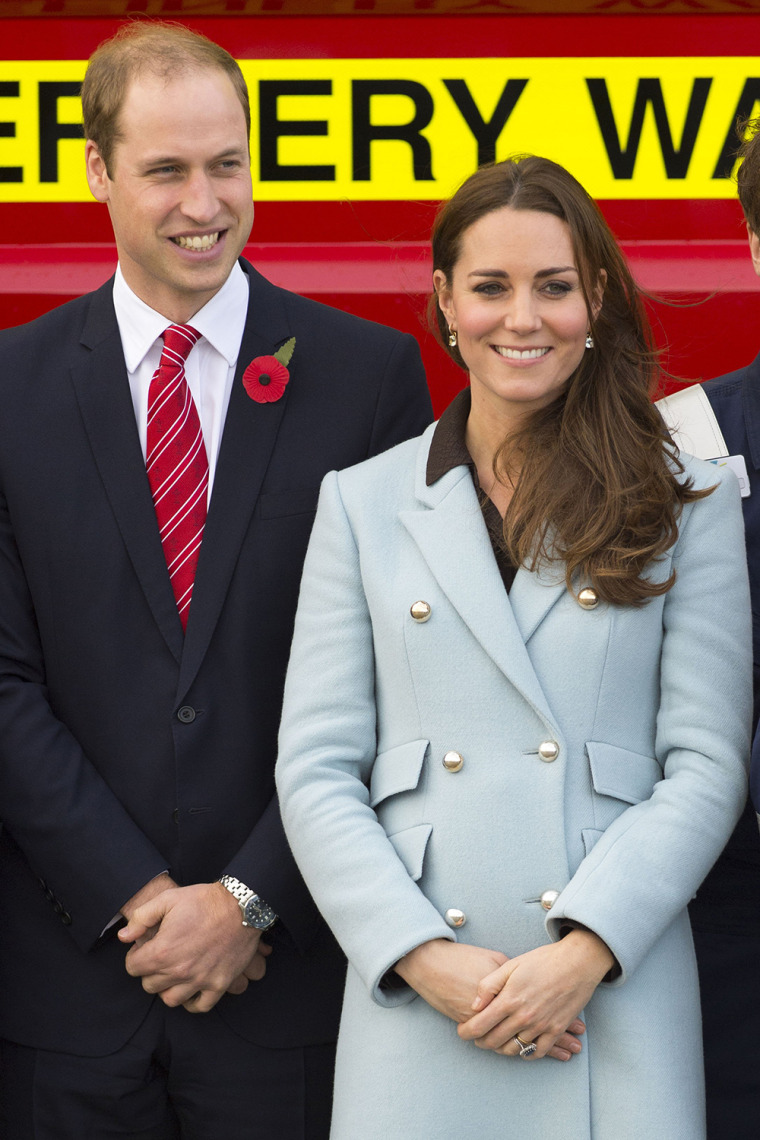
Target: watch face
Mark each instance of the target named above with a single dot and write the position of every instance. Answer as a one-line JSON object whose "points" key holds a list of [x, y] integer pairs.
{"points": [[258, 914]]}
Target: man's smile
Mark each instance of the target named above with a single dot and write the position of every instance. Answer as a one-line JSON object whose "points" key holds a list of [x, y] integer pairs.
{"points": [[197, 241]]}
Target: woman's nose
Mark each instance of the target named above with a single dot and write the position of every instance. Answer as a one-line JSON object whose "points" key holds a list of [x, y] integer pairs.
{"points": [[522, 314]]}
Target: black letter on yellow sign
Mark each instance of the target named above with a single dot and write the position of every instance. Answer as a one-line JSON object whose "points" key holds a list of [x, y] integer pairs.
{"points": [[649, 91], [271, 129], [365, 132], [10, 90], [485, 132], [50, 129], [744, 109]]}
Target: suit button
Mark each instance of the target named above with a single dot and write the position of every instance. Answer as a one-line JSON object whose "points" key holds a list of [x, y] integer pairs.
{"points": [[58, 909], [454, 917], [420, 611], [588, 599], [548, 899], [186, 714], [548, 751], [66, 918], [452, 761]]}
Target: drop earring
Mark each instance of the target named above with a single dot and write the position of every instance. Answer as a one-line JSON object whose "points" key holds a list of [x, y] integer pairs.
{"points": [[589, 340], [452, 338]]}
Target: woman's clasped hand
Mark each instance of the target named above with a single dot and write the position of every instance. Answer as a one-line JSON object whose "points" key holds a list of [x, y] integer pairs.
{"points": [[449, 976]]}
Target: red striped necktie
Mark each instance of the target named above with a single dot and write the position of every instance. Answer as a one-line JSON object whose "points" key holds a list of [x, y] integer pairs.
{"points": [[177, 464]]}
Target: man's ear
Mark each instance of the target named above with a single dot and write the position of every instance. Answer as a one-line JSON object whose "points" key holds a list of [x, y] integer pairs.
{"points": [[754, 248], [97, 175]]}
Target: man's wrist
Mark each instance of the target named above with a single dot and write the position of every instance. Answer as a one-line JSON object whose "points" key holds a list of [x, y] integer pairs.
{"points": [[255, 912]]}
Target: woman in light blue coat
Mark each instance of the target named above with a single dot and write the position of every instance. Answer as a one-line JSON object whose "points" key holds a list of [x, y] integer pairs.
{"points": [[517, 711]]}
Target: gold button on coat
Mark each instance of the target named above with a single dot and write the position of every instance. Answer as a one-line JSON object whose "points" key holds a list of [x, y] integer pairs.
{"points": [[452, 761], [454, 917], [548, 750], [588, 598], [420, 611], [548, 899]]}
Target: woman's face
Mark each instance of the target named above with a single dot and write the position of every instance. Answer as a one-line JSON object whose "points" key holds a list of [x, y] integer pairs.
{"points": [[516, 303]]}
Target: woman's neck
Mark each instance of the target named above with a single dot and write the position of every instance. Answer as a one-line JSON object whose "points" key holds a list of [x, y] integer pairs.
{"points": [[484, 435]]}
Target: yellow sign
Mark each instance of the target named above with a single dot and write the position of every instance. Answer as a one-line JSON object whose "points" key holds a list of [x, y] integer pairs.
{"points": [[400, 129]]}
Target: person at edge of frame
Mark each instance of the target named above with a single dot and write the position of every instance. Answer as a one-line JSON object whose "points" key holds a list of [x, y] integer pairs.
{"points": [[137, 735], [721, 419]]}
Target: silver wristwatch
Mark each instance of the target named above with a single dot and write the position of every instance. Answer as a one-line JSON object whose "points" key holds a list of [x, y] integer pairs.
{"points": [[256, 912]]}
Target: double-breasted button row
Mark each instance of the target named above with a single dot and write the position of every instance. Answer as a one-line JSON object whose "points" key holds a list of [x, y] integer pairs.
{"points": [[548, 750]]}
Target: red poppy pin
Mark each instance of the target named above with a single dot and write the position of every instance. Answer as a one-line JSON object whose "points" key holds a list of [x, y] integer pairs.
{"points": [[266, 377]]}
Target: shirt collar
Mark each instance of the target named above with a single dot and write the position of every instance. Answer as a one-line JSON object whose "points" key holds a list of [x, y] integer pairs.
{"points": [[221, 320], [447, 447]]}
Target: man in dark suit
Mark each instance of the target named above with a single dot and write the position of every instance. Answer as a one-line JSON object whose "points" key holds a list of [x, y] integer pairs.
{"points": [[139, 710], [725, 914]]}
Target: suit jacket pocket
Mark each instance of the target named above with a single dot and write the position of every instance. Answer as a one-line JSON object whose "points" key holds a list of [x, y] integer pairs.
{"points": [[621, 773], [396, 770], [281, 504]]}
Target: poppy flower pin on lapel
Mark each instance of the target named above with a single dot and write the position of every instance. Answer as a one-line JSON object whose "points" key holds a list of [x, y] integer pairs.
{"points": [[266, 377]]}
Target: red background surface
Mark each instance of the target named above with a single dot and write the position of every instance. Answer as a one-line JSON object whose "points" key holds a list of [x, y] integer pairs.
{"points": [[370, 257]]}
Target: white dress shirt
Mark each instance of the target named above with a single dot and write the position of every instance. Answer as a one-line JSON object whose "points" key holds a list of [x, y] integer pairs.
{"points": [[210, 367]]}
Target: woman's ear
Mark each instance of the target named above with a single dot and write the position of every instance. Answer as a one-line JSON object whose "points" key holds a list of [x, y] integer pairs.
{"points": [[443, 292]]}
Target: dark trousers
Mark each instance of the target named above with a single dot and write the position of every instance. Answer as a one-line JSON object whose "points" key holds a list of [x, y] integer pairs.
{"points": [[181, 1075], [729, 978]]}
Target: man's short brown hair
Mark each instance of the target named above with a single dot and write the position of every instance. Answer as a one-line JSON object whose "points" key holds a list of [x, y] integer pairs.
{"points": [[159, 48], [748, 177]]}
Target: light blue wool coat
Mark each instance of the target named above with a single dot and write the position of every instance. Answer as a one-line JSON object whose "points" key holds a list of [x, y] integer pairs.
{"points": [[651, 710]]}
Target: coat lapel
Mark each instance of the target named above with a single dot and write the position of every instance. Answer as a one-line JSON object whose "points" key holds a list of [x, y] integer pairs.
{"points": [[250, 431], [452, 537], [533, 595], [102, 391]]}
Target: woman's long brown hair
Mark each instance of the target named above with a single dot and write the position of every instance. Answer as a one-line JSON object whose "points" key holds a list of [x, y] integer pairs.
{"points": [[600, 486]]}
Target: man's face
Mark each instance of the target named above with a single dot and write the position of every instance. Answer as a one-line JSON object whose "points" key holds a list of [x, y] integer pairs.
{"points": [[180, 197]]}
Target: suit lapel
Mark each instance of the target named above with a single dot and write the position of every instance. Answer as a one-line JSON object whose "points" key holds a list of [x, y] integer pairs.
{"points": [[452, 537], [250, 431], [102, 391]]}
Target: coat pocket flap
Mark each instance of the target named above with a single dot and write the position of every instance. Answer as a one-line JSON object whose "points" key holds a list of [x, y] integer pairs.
{"points": [[618, 772], [397, 770], [410, 847]]}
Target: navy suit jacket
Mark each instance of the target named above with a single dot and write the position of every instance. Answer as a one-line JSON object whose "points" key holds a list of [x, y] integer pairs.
{"points": [[102, 784], [728, 900]]}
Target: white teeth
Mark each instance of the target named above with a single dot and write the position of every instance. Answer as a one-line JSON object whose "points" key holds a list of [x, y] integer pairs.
{"points": [[197, 242], [521, 353]]}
